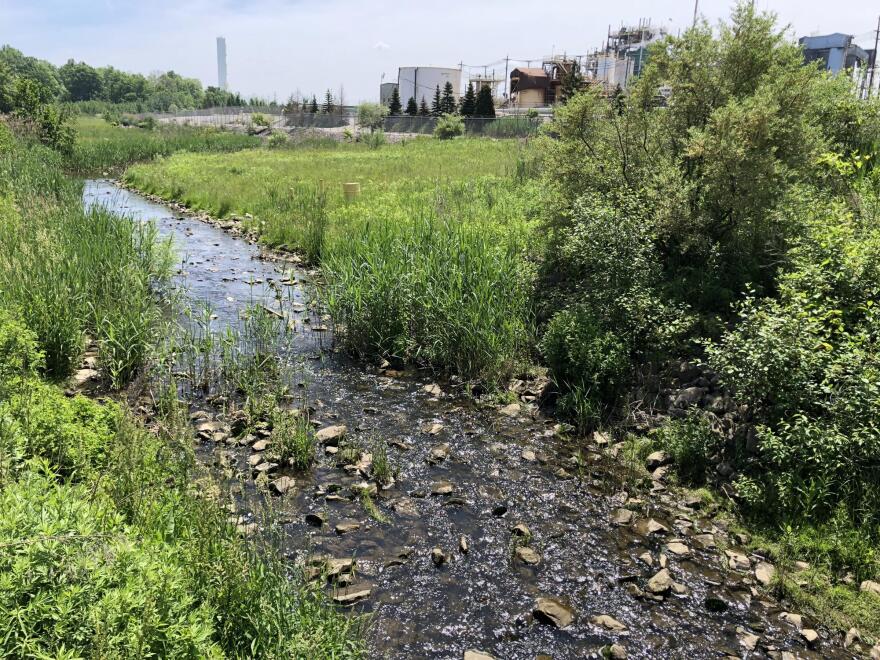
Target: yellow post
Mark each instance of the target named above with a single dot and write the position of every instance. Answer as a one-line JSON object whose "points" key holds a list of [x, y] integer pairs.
{"points": [[351, 191]]}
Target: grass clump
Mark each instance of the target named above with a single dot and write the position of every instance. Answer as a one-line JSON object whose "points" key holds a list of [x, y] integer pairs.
{"points": [[293, 439]]}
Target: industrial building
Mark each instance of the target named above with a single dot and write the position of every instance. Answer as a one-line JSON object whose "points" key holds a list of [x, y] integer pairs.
{"points": [[420, 82], [838, 53], [533, 87], [623, 56], [386, 91]]}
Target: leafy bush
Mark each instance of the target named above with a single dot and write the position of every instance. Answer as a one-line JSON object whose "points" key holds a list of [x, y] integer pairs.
{"points": [[448, 127], [260, 119], [372, 116], [278, 140], [690, 443]]}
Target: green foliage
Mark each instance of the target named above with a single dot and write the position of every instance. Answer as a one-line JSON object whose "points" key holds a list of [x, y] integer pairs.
{"points": [[394, 106], [102, 266], [371, 116], [82, 82], [278, 140], [690, 443], [485, 105], [412, 108], [423, 108], [449, 127], [100, 146], [448, 105], [260, 119], [329, 106], [293, 440], [468, 102]]}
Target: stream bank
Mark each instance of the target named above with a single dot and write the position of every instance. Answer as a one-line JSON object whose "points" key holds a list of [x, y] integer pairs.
{"points": [[501, 536]]}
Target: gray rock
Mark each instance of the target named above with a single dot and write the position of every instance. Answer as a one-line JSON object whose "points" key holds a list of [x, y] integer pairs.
{"points": [[764, 573], [622, 517], [442, 488], [871, 587], [282, 485], [438, 556], [345, 526], [439, 452], [477, 655]]}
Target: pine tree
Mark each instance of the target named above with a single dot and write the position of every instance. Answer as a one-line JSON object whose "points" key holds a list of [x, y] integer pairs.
{"points": [[424, 111], [572, 82], [436, 107], [412, 109], [447, 103], [485, 105], [328, 106], [313, 108], [394, 106], [468, 102]]}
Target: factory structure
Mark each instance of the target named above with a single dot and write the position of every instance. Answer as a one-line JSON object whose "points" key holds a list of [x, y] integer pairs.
{"points": [[222, 82], [613, 67]]}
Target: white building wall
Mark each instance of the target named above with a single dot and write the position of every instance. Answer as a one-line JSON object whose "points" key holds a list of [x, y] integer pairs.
{"points": [[421, 81]]}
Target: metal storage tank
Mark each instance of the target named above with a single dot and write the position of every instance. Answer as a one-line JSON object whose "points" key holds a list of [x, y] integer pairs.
{"points": [[385, 92], [420, 82]]}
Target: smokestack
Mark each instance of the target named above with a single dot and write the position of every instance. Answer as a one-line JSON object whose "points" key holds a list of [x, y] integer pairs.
{"points": [[221, 63]]}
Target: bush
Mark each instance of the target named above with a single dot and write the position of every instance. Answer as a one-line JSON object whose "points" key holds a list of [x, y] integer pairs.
{"points": [[278, 140], [448, 127], [261, 120], [690, 443]]}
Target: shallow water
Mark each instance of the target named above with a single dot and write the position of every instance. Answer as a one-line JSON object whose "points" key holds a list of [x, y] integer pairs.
{"points": [[482, 599]]}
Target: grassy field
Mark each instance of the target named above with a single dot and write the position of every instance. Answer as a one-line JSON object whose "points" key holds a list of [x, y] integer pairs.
{"points": [[101, 146], [426, 265]]}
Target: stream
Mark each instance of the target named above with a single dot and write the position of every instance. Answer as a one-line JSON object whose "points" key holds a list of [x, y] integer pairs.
{"points": [[503, 468]]}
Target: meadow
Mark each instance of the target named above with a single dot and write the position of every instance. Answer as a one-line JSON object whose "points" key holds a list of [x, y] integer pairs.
{"points": [[427, 265], [101, 147]]}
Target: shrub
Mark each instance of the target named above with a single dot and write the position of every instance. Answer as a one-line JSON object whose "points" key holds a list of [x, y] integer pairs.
{"points": [[293, 439], [260, 119], [690, 443], [278, 139], [448, 127], [371, 116]]}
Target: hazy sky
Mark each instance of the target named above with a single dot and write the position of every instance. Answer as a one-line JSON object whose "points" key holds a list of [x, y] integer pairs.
{"points": [[278, 46]]}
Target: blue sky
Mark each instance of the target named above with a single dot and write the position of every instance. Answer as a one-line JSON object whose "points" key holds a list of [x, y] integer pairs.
{"points": [[278, 46]]}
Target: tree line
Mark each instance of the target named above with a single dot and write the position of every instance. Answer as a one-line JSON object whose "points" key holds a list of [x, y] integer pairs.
{"points": [[472, 104]]}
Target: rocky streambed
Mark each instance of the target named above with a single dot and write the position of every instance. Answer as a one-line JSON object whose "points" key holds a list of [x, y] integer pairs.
{"points": [[497, 534]]}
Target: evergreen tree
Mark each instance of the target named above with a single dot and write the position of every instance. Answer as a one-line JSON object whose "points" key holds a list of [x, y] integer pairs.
{"points": [[436, 107], [572, 82], [394, 106], [424, 111], [485, 106], [447, 103], [411, 108], [329, 107], [313, 107], [468, 102]]}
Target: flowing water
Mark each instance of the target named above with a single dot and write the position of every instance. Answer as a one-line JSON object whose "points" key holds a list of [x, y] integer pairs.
{"points": [[503, 471]]}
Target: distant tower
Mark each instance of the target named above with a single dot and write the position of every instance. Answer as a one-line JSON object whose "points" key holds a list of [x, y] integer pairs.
{"points": [[221, 63]]}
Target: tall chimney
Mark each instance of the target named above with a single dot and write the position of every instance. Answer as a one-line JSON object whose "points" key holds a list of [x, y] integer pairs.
{"points": [[221, 63]]}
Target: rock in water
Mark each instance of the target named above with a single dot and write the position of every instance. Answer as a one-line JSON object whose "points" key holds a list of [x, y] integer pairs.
{"points": [[660, 583], [554, 612], [765, 572], [438, 556], [331, 435], [477, 655], [282, 485], [608, 622], [528, 556]]}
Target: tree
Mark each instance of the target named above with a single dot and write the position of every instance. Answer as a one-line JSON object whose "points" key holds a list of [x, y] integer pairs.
{"points": [[485, 105], [572, 81], [394, 106], [313, 106], [82, 82], [40, 71], [328, 107], [436, 104], [469, 102], [448, 106], [411, 108], [448, 127], [372, 116], [424, 111]]}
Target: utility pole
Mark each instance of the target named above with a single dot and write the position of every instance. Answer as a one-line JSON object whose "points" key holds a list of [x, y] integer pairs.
{"points": [[874, 59], [506, 78], [696, 9]]}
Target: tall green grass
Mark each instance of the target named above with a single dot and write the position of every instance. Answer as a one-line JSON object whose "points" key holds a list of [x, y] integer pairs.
{"points": [[72, 273], [114, 543], [100, 147], [428, 265]]}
